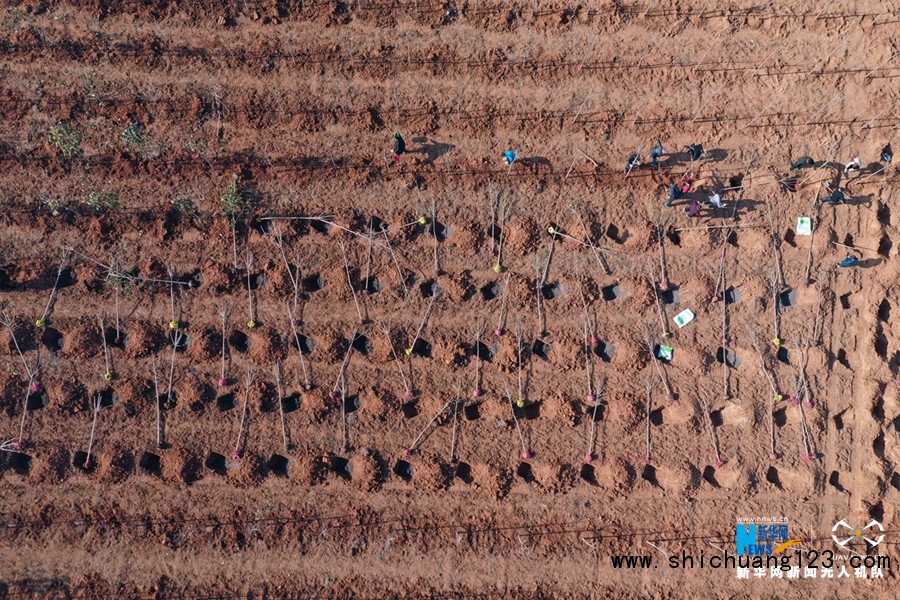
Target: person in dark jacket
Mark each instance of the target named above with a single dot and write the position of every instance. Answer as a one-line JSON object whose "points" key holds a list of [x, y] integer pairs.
{"points": [[849, 261], [696, 151], [887, 155], [804, 162], [399, 145]]}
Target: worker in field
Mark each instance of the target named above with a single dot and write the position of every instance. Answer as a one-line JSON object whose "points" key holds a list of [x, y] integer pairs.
{"points": [[853, 165], [674, 193], [696, 151], [836, 197], [632, 163], [655, 152], [804, 162], [849, 261], [399, 145], [887, 155]]}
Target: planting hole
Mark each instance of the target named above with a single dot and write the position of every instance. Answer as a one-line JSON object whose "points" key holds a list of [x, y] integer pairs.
{"points": [[67, 278], [78, 461], [464, 472], [732, 295], [108, 398], [430, 289], [589, 474], [362, 344], [845, 300], [525, 472], [216, 463], [279, 465], [183, 340], [52, 339], [130, 410], [472, 412], [403, 470], [167, 401], [410, 410], [674, 237], [19, 462], [656, 417], [709, 475], [320, 226], [483, 352], [225, 402], [782, 355], [239, 341], [113, 339], [306, 344], [257, 280], [787, 299], [649, 474], [312, 283], [611, 292], [728, 357], [541, 349], [150, 462], [441, 231], [342, 467], [351, 404], [532, 411], [670, 296], [422, 348], [772, 477], [373, 286], [490, 291], [37, 401], [604, 351], [551, 291], [291, 403]]}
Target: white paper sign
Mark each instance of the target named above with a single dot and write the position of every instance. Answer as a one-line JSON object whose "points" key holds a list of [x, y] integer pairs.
{"points": [[804, 226], [683, 318]]}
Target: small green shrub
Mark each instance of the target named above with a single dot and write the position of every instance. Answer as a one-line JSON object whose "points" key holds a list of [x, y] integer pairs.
{"points": [[184, 206], [66, 139], [134, 136], [103, 201], [233, 202]]}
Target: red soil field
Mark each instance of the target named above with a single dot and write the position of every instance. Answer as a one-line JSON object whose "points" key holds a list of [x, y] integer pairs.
{"points": [[226, 145]]}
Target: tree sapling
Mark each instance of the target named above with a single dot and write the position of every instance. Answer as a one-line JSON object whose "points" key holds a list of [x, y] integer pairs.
{"points": [[109, 374], [41, 323], [224, 380], [477, 392], [526, 453], [407, 388], [239, 446], [88, 461]]}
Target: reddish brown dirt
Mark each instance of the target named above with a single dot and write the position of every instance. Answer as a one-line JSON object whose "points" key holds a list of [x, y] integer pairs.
{"points": [[296, 102]]}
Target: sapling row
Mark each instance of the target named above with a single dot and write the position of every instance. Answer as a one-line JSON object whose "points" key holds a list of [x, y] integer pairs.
{"points": [[224, 380], [344, 433], [407, 388], [520, 399], [350, 281], [174, 322], [538, 296], [665, 333], [703, 406], [412, 447], [248, 261], [498, 217], [333, 394], [648, 385], [278, 386], [159, 437], [10, 325], [670, 395], [88, 462], [456, 402], [775, 397], [108, 374], [295, 323], [504, 302], [477, 392], [596, 398], [425, 317], [239, 446], [42, 321], [526, 453], [598, 251], [434, 233], [176, 341]]}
